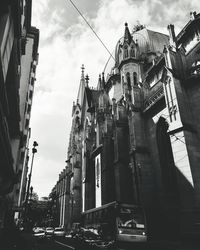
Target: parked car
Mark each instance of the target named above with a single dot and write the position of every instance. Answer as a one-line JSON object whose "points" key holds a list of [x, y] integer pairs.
{"points": [[89, 234], [39, 233], [75, 229], [49, 232], [59, 232], [90, 239], [36, 229], [86, 237]]}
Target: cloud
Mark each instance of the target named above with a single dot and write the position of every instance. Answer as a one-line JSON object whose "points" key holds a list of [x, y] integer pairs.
{"points": [[66, 42], [43, 175]]}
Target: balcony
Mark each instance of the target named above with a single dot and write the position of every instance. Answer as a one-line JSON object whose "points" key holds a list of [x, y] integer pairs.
{"points": [[153, 99]]}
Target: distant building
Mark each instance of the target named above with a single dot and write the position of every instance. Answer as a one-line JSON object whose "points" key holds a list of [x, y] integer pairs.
{"points": [[54, 207], [18, 60], [34, 196], [60, 195], [136, 138]]}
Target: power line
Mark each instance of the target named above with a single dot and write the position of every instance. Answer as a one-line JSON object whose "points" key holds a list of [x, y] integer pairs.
{"points": [[178, 138], [181, 158], [107, 63], [92, 29]]}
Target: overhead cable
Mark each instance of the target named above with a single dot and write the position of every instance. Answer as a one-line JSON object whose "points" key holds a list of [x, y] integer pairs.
{"points": [[91, 29]]}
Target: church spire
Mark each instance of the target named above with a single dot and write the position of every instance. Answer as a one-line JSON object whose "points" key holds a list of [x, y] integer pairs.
{"points": [[81, 86], [99, 83], [82, 72], [127, 34], [103, 81], [87, 80]]}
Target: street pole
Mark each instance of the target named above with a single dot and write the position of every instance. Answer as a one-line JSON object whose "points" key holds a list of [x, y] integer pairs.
{"points": [[34, 150]]}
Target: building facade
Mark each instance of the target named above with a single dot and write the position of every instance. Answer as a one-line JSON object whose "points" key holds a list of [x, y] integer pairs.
{"points": [[135, 138], [29, 62], [18, 59]]}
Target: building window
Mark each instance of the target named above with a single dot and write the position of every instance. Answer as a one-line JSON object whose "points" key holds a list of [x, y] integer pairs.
{"points": [[32, 80], [132, 52], [135, 82], [31, 94], [26, 123], [25, 108], [125, 51], [22, 155], [120, 55], [29, 108], [7, 42], [98, 202], [128, 79]]}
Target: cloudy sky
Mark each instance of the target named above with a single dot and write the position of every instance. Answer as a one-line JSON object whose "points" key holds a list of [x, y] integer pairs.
{"points": [[66, 42]]}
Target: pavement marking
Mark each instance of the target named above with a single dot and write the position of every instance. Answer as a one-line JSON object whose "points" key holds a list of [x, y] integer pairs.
{"points": [[64, 244]]}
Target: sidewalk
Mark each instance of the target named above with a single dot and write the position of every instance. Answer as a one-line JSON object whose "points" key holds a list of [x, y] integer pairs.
{"points": [[16, 240], [177, 245], [27, 241]]}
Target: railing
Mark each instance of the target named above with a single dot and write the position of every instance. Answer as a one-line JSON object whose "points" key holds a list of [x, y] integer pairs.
{"points": [[153, 98]]}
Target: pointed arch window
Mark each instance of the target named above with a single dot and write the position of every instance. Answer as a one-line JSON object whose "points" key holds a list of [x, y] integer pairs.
{"points": [[135, 81], [125, 51], [120, 54], [132, 51], [128, 79]]}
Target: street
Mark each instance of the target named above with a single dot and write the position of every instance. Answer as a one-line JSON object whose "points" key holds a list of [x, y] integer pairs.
{"points": [[48, 244], [31, 243], [58, 245], [28, 242]]}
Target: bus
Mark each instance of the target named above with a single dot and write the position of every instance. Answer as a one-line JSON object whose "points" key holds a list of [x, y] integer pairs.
{"points": [[117, 221]]}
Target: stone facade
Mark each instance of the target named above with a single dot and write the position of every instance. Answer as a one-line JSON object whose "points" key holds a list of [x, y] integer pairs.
{"points": [[18, 61], [141, 145]]}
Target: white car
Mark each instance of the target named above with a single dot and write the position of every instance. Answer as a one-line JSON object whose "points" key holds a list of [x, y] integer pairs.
{"points": [[36, 229], [49, 232], [59, 232], [39, 233]]}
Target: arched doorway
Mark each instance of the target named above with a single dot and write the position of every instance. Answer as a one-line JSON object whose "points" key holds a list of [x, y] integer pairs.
{"points": [[168, 191]]}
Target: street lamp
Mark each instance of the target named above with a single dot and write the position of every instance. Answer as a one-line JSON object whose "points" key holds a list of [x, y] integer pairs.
{"points": [[34, 150]]}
